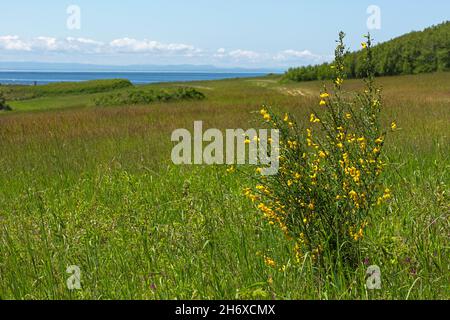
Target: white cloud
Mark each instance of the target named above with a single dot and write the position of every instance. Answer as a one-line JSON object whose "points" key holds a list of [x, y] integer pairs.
{"points": [[289, 55], [244, 54], [49, 44], [13, 43], [145, 49], [84, 45], [128, 45]]}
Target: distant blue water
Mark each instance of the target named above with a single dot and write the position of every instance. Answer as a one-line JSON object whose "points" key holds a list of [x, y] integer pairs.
{"points": [[13, 77]]}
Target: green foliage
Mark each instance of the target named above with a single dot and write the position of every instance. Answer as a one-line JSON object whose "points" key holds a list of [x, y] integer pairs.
{"points": [[134, 97], [329, 179], [64, 88], [413, 53], [3, 105]]}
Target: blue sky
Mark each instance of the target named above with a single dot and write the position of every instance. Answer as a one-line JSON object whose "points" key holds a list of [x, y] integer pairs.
{"points": [[245, 33]]}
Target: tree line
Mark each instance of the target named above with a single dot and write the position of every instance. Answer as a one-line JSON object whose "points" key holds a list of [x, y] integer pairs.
{"points": [[416, 52]]}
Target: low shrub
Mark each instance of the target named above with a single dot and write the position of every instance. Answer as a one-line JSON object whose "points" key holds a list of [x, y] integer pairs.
{"points": [[330, 176], [3, 105], [148, 96]]}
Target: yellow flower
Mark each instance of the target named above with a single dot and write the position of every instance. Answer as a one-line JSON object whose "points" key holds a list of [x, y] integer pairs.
{"points": [[339, 81], [323, 103], [353, 195], [231, 169], [348, 116], [314, 119], [269, 262], [286, 117], [292, 144], [364, 45], [247, 141], [263, 111], [393, 125], [322, 154], [379, 141], [267, 117], [259, 170], [387, 194], [324, 95]]}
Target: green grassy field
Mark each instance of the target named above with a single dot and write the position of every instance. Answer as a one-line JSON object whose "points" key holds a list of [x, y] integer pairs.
{"points": [[95, 187]]}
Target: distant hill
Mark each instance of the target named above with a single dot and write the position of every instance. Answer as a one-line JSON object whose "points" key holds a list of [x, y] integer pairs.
{"points": [[78, 67], [413, 53]]}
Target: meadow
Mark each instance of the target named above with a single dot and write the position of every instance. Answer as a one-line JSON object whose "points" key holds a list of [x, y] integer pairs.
{"points": [[94, 186]]}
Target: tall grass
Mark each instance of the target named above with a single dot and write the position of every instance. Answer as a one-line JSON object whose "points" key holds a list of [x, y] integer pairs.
{"points": [[94, 187]]}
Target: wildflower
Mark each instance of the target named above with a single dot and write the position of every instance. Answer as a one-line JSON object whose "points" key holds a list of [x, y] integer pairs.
{"points": [[231, 169], [339, 81], [292, 144], [364, 45], [247, 141], [387, 194], [267, 117], [322, 103], [324, 95], [314, 119], [269, 262], [286, 118], [259, 170], [263, 112], [353, 195], [322, 154], [393, 125], [379, 141], [348, 116]]}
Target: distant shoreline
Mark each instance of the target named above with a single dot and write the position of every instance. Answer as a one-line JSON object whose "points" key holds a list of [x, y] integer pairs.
{"points": [[136, 77]]}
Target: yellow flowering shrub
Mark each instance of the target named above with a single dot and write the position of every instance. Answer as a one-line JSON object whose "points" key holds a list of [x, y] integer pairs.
{"points": [[330, 172]]}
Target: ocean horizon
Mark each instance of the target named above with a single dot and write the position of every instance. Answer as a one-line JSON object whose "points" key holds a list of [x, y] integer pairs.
{"points": [[136, 77]]}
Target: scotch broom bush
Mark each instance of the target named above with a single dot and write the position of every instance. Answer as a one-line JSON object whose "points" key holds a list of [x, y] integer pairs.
{"points": [[330, 176]]}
